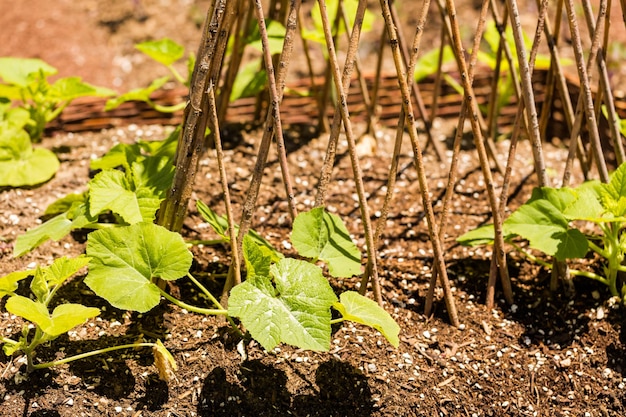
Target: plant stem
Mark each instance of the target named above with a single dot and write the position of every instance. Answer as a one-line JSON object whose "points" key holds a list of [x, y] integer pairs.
{"points": [[214, 301], [169, 109], [212, 242], [335, 321], [199, 310], [91, 353]]}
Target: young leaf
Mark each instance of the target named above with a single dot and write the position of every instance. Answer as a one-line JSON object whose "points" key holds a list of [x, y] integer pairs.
{"points": [[9, 283], [48, 277], [126, 259], [64, 317], [257, 260], [249, 82], [139, 94], [614, 195], [546, 229], [482, 235], [321, 235], [67, 316], [56, 228], [164, 51], [293, 306], [220, 225], [359, 309], [20, 164], [63, 268], [65, 204], [33, 311], [136, 199], [69, 88], [19, 71]]}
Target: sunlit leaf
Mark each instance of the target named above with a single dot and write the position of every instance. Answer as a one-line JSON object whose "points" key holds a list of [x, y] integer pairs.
{"points": [[359, 309], [318, 234], [292, 306], [126, 259], [165, 50]]}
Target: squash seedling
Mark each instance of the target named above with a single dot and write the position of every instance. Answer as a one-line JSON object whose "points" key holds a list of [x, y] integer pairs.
{"points": [[283, 300], [120, 197], [555, 221], [44, 324], [28, 102]]}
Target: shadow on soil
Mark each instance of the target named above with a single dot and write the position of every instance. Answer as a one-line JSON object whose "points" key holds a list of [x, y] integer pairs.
{"points": [[262, 391]]}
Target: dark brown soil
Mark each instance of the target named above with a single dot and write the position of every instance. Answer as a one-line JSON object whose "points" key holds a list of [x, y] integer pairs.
{"points": [[546, 355]]}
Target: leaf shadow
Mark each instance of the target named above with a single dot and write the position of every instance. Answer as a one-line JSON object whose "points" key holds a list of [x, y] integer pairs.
{"points": [[261, 390]]}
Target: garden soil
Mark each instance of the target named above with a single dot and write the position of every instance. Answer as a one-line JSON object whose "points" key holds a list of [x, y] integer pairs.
{"points": [[544, 355]]}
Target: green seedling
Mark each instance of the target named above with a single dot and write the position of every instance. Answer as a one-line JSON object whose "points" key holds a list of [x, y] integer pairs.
{"points": [[556, 222], [25, 83], [21, 164], [283, 300], [115, 197], [44, 324], [28, 102]]}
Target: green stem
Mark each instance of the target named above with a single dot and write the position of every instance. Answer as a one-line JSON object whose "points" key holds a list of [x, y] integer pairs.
{"points": [[176, 74], [169, 109], [597, 249], [9, 341], [214, 301], [189, 307], [205, 291], [206, 242], [335, 321], [575, 272], [91, 353]]}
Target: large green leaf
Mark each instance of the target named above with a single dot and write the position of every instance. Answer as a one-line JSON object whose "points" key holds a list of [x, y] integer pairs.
{"points": [[359, 309], [547, 230], [19, 71], [292, 306], [321, 235], [126, 259], [165, 50]]}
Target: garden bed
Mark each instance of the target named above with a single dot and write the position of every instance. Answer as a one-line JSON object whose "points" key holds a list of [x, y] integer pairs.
{"points": [[545, 355]]}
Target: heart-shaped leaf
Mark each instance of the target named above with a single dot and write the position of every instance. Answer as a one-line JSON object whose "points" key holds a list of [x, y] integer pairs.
{"points": [[126, 259], [292, 306], [321, 235]]}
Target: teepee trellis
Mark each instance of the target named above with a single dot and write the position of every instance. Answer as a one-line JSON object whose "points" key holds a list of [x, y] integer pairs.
{"points": [[229, 21]]}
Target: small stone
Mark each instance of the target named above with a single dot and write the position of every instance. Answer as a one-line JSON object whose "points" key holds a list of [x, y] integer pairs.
{"points": [[565, 363], [371, 367], [600, 313]]}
